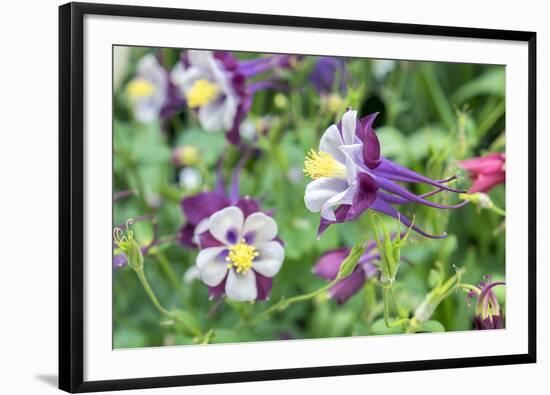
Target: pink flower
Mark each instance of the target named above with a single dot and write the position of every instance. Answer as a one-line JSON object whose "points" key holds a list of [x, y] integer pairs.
{"points": [[486, 171]]}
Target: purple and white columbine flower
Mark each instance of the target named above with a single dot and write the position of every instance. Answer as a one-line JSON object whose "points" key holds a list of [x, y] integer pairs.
{"points": [[349, 177], [329, 263], [240, 253], [215, 85], [488, 314], [151, 93]]}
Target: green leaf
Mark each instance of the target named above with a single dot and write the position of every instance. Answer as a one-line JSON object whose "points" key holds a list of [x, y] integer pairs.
{"points": [[432, 326], [379, 328], [189, 321], [210, 145], [492, 82]]}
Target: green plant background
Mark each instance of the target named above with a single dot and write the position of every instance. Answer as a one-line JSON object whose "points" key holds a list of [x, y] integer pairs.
{"points": [[431, 115]]}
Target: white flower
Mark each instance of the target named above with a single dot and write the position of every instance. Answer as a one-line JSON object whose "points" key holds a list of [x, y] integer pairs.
{"points": [[190, 178], [148, 90], [206, 85], [247, 246], [332, 168]]}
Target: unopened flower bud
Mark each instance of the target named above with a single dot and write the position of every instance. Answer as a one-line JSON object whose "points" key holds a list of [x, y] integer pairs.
{"points": [[280, 101], [129, 246], [186, 155]]}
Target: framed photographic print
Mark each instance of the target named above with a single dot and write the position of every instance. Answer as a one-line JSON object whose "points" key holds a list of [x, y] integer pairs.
{"points": [[238, 188]]}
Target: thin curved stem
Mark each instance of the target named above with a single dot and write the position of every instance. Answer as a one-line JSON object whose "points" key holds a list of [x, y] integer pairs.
{"points": [[284, 303]]}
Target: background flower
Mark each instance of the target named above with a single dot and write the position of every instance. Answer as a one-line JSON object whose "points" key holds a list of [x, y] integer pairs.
{"points": [[486, 171], [329, 263]]}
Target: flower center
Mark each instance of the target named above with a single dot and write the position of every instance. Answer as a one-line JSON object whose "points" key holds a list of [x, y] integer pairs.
{"points": [[321, 164], [241, 256], [201, 93], [140, 88]]}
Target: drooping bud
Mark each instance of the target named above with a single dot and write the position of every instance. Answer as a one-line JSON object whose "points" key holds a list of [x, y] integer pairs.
{"points": [[437, 295]]}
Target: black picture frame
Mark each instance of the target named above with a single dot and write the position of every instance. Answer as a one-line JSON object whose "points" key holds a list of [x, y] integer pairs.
{"points": [[71, 197]]}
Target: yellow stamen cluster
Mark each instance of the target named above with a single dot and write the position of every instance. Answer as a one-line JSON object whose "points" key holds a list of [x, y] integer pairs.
{"points": [[321, 164], [140, 88], [201, 93], [241, 256]]}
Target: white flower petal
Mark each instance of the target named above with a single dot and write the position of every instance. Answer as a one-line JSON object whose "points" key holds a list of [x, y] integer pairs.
{"points": [[145, 110], [200, 58], [201, 227], [321, 190], [226, 221], [185, 78], [191, 274], [212, 269], [259, 228], [345, 197], [351, 170], [270, 258], [230, 105], [330, 142], [355, 151], [349, 119], [211, 116], [241, 287]]}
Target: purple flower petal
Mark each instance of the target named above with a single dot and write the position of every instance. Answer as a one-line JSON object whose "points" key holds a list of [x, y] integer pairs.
{"points": [[349, 286], [384, 207], [119, 261], [217, 291], [248, 206], [329, 263], [324, 74], [263, 285], [393, 171], [185, 235], [400, 191], [366, 194], [203, 205], [206, 240], [371, 144]]}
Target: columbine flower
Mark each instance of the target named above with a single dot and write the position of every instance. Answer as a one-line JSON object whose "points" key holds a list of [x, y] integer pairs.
{"points": [[240, 253], [215, 85], [329, 75], [349, 177], [486, 171], [488, 314], [150, 92], [328, 265]]}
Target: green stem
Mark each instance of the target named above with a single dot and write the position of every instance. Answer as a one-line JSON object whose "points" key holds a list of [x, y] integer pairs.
{"points": [[151, 294], [285, 303], [498, 210], [143, 279], [387, 296]]}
